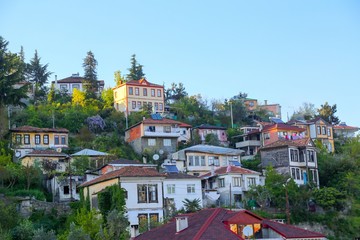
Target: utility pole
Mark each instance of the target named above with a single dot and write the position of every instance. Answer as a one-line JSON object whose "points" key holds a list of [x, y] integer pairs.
{"points": [[230, 197], [287, 206], [231, 115]]}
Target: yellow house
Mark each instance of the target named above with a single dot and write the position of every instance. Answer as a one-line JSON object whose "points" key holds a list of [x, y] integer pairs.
{"points": [[56, 160], [318, 129], [131, 96], [25, 139]]}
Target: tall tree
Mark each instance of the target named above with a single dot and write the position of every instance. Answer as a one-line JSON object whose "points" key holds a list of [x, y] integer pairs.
{"points": [[327, 113], [90, 74], [135, 71], [175, 92], [38, 75], [118, 78], [306, 112]]}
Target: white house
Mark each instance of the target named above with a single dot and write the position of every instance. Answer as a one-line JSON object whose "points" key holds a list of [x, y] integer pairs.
{"points": [[178, 187], [200, 159], [231, 183]]}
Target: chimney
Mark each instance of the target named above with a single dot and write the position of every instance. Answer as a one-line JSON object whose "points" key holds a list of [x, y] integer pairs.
{"points": [[181, 223], [265, 102]]}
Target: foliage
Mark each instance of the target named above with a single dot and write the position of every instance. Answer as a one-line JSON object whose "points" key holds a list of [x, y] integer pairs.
{"points": [[116, 226], [329, 197], [327, 113], [32, 175], [9, 216], [232, 133], [96, 124], [175, 92], [192, 205], [42, 234], [90, 74], [23, 231], [77, 233], [112, 197], [305, 112], [212, 139], [107, 96], [252, 164], [135, 71], [88, 222], [118, 78], [52, 221], [36, 193], [78, 97]]}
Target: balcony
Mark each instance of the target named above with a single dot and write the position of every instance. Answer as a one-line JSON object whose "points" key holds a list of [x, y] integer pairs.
{"points": [[174, 134], [249, 143]]}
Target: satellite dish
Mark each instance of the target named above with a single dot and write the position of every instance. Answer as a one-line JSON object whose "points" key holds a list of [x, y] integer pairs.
{"points": [[161, 152], [17, 154], [59, 150], [156, 157], [248, 231]]}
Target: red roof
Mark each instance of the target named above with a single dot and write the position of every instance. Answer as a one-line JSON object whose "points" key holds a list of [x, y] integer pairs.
{"points": [[76, 79], [345, 127], [161, 121], [282, 126], [31, 129], [129, 171], [231, 169], [289, 231], [141, 82], [304, 142], [244, 217]]}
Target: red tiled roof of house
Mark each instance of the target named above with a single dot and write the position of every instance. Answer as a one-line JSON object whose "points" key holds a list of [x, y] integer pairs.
{"points": [[244, 217], [47, 152], [39, 130], [160, 121], [141, 82], [76, 79], [230, 169], [345, 127], [282, 126], [129, 171], [289, 231], [282, 143], [207, 224]]}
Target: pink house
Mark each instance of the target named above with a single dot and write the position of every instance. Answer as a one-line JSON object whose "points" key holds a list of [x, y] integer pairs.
{"points": [[205, 129]]}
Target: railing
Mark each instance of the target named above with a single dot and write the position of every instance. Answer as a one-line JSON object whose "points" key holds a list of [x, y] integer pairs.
{"points": [[161, 134], [248, 143]]}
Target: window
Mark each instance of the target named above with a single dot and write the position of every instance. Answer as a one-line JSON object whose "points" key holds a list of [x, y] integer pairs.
{"points": [[144, 104], [329, 132], [156, 106], [159, 93], [221, 182], [153, 92], [202, 160], [56, 140], [66, 190], [151, 142], [294, 155], [295, 173], [63, 87], [191, 188], [139, 105], [170, 188], [196, 160], [167, 129], [26, 139], [133, 104], [191, 161], [267, 135], [137, 91], [213, 161], [310, 155], [151, 129], [131, 91], [63, 140], [147, 193], [318, 130], [237, 181], [18, 139], [251, 181], [323, 130], [167, 142], [37, 139], [46, 139], [160, 107], [76, 86], [145, 91]]}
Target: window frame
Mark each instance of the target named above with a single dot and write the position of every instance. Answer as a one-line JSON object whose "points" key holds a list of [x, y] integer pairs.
{"points": [[170, 188], [46, 139], [56, 140], [167, 142], [151, 142], [37, 139], [153, 92], [18, 139], [190, 188], [236, 181], [27, 139], [145, 92], [159, 92], [63, 139], [137, 91], [131, 91]]}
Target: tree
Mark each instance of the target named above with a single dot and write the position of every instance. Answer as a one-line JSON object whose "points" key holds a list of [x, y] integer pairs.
{"points": [[90, 74], [328, 197], [135, 71], [38, 75], [192, 205], [107, 97], [305, 112], [175, 92], [78, 97], [327, 113], [118, 78]]}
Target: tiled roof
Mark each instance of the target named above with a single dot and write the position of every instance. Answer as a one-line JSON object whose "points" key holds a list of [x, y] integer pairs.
{"points": [[141, 82], [345, 127], [282, 126], [129, 171], [31, 129], [231, 169], [285, 143], [208, 126], [47, 152], [180, 176], [160, 121], [76, 79], [289, 231], [203, 148], [315, 120], [206, 224], [244, 217]]}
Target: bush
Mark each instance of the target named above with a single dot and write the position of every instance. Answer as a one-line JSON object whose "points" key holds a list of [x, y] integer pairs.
{"points": [[37, 194]]}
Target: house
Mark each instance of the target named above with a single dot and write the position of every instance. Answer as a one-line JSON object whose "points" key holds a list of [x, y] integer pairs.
{"points": [[249, 141], [231, 183], [95, 158], [318, 129], [64, 187], [144, 193], [200, 159], [120, 163], [343, 130], [25, 139], [155, 134], [47, 160], [219, 223], [251, 104], [296, 158], [278, 131], [272, 109], [177, 188], [204, 129], [131, 96], [75, 82]]}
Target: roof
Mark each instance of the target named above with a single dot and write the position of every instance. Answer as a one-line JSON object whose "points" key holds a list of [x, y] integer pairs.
{"points": [[128, 171], [343, 126], [244, 217], [304, 142], [205, 224], [90, 153], [31, 129], [282, 126], [160, 121], [290, 231], [124, 161], [208, 126], [213, 149], [45, 153], [75, 79], [315, 120], [230, 169], [174, 175], [142, 82]]}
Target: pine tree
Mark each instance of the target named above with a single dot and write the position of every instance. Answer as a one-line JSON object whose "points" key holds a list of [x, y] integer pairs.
{"points": [[136, 70], [90, 74]]}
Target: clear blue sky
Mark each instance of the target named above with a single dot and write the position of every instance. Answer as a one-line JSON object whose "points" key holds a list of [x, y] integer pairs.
{"points": [[286, 52]]}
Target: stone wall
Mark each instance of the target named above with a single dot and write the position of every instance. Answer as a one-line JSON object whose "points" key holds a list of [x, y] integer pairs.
{"points": [[28, 205]]}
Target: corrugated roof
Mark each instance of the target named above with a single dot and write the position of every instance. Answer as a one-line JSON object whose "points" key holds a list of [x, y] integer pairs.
{"points": [[90, 153]]}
